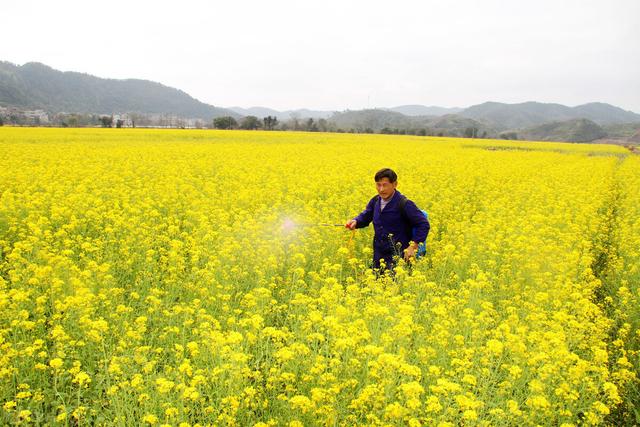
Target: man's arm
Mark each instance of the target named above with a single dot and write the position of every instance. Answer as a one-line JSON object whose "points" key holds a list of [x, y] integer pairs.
{"points": [[365, 217], [418, 221]]}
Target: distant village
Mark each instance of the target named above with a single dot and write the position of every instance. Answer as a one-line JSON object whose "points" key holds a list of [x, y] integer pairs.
{"points": [[20, 117]]}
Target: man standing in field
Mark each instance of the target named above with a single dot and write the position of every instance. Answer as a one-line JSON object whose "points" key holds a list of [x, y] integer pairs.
{"points": [[399, 225]]}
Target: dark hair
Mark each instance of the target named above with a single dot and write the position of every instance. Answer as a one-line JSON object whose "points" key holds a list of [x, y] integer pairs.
{"points": [[386, 173]]}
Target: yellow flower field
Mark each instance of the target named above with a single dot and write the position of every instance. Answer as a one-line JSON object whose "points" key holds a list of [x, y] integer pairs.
{"points": [[180, 278]]}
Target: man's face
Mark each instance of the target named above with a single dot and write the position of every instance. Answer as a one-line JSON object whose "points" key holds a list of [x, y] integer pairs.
{"points": [[386, 188]]}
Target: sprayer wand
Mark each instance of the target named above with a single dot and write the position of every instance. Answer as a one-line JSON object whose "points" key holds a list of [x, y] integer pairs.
{"points": [[291, 225]]}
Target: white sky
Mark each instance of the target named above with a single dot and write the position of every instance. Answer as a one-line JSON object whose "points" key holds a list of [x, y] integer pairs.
{"points": [[335, 55]]}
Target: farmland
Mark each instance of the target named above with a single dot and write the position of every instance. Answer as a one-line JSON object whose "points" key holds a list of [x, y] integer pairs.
{"points": [[146, 278]]}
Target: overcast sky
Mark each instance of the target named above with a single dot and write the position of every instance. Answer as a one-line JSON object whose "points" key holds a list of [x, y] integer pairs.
{"points": [[336, 55]]}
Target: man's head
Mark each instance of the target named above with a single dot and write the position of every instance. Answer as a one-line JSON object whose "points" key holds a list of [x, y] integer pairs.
{"points": [[386, 182]]}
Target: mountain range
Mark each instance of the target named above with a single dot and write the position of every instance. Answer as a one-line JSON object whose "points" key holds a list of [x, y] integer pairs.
{"points": [[510, 116], [37, 86]]}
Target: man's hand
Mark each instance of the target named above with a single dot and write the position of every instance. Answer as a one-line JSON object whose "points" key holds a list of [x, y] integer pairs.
{"points": [[410, 252], [351, 224]]}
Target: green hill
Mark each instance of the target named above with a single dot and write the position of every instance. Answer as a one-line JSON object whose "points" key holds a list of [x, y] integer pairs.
{"points": [[622, 130], [527, 114], [575, 130], [37, 86], [385, 121], [374, 120]]}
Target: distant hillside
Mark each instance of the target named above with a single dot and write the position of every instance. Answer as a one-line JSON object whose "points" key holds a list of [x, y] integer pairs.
{"points": [[574, 130], [306, 113], [423, 110], [34, 86], [37, 86], [530, 120], [528, 114], [456, 125], [602, 113], [258, 112], [282, 115], [383, 120], [375, 120], [621, 130]]}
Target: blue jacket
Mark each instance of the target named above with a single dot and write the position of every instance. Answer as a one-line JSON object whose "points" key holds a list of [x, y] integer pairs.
{"points": [[392, 221]]}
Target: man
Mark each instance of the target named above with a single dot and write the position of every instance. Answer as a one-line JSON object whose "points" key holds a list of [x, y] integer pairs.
{"points": [[398, 229]]}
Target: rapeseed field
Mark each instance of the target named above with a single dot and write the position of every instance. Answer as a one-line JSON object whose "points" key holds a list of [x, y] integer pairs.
{"points": [[181, 278]]}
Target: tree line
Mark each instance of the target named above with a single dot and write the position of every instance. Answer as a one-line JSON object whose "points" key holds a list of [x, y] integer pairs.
{"points": [[268, 123], [272, 123]]}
